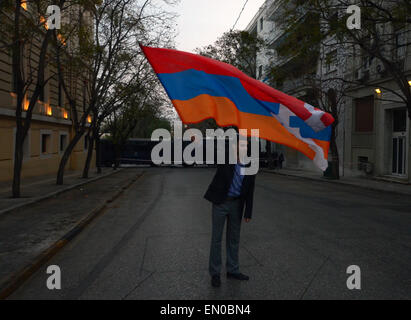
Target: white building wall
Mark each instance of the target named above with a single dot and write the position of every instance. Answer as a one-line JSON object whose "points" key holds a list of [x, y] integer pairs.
{"points": [[269, 33]]}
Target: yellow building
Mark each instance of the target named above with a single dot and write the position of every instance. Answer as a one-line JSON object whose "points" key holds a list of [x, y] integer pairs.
{"points": [[51, 127]]}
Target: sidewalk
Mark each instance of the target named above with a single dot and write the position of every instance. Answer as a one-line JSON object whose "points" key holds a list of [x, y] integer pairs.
{"points": [[31, 234], [362, 182], [38, 188]]}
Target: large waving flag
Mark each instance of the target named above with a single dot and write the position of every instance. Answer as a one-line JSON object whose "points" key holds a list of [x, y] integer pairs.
{"points": [[201, 88]]}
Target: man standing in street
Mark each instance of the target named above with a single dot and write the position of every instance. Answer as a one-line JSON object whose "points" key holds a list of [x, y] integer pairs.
{"points": [[231, 193]]}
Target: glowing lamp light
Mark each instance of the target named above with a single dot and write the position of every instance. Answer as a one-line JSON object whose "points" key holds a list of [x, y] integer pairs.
{"points": [[44, 22], [24, 5], [409, 82], [25, 104], [65, 114], [89, 119], [49, 111], [61, 38], [378, 91]]}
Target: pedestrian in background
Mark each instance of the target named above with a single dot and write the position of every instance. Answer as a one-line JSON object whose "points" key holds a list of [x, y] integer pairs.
{"points": [[281, 160]]}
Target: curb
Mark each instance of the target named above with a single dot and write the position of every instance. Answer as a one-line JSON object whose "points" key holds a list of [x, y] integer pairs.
{"points": [[52, 194], [17, 279], [337, 182]]}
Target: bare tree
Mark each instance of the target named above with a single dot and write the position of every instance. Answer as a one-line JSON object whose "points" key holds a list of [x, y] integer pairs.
{"points": [[27, 36], [375, 53], [119, 126], [238, 48], [114, 58], [332, 58]]}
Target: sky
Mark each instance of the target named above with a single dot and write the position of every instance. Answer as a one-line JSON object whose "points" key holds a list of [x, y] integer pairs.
{"points": [[201, 22]]}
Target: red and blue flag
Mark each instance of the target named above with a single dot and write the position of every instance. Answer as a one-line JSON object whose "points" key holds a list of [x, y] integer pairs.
{"points": [[201, 88]]}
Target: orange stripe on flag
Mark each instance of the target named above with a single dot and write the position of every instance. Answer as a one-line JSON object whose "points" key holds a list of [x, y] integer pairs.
{"points": [[226, 113], [325, 145]]}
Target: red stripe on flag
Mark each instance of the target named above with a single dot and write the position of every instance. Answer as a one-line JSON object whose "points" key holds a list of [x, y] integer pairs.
{"points": [[172, 61]]}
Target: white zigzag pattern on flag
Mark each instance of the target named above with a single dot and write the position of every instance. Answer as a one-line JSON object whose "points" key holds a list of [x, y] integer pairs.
{"points": [[315, 120], [283, 117]]}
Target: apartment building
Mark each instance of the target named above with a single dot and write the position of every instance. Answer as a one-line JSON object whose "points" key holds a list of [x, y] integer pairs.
{"points": [[265, 24], [378, 137], [373, 136], [51, 127]]}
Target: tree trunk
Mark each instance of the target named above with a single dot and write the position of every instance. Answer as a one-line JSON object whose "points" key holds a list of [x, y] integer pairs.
{"points": [[335, 156], [18, 164], [88, 159], [98, 154], [16, 70], [66, 156]]}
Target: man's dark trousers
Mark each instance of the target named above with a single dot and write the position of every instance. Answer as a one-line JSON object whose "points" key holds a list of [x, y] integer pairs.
{"points": [[230, 210]]}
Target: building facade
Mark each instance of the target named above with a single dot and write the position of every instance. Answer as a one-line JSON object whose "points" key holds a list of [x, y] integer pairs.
{"points": [[51, 126], [265, 25], [373, 135]]}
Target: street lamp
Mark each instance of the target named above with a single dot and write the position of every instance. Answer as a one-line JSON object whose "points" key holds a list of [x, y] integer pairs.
{"points": [[378, 90]]}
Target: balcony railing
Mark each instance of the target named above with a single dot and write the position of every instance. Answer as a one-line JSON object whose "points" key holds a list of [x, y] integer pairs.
{"points": [[46, 109], [274, 36], [293, 85], [375, 71], [42, 108], [274, 8]]}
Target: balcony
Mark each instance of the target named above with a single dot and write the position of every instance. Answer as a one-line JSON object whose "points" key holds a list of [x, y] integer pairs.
{"points": [[42, 111], [299, 86], [373, 72], [274, 9], [275, 37]]}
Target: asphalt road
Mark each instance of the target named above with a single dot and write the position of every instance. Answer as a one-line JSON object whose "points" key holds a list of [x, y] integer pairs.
{"points": [[153, 243]]}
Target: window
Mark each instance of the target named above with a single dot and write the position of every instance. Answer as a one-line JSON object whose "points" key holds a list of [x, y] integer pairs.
{"points": [[334, 23], [261, 24], [364, 114], [63, 142], [400, 44], [400, 120], [46, 147], [331, 61], [260, 72], [362, 162], [45, 143]]}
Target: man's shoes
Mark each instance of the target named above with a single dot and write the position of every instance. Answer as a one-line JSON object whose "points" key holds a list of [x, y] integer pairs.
{"points": [[237, 276], [215, 281]]}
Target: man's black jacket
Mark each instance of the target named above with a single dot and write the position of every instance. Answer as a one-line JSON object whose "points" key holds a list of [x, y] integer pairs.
{"points": [[218, 190]]}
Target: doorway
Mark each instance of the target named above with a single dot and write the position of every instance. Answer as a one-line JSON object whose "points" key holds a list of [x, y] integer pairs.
{"points": [[399, 143]]}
